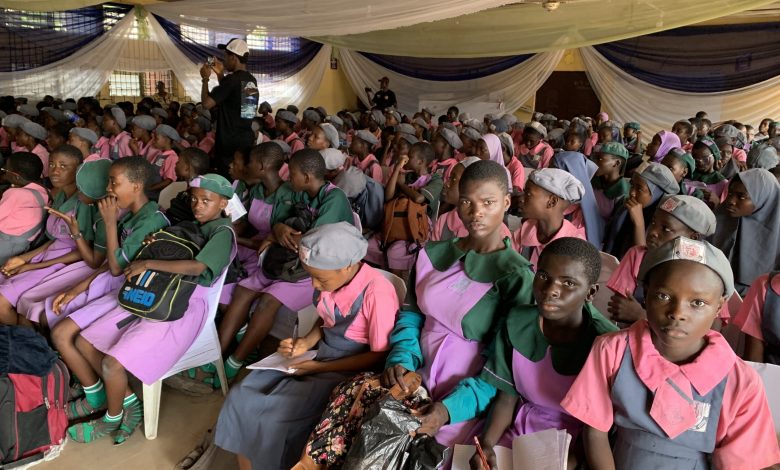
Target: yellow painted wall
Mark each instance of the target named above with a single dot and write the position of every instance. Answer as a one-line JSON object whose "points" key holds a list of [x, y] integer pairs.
{"points": [[571, 62], [334, 93]]}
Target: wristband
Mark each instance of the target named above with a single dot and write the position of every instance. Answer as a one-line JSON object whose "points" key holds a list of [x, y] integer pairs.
{"points": [[78, 236]]}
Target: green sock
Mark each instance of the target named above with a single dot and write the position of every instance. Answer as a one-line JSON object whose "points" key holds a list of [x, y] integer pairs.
{"points": [[232, 366], [95, 429], [96, 394], [241, 333], [132, 417], [129, 400], [107, 418]]}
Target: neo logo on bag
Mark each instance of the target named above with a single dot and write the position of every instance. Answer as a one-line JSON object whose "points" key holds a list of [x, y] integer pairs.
{"points": [[138, 296]]}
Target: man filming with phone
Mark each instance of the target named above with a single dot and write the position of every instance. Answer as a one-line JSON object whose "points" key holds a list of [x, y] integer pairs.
{"points": [[384, 98], [234, 99]]}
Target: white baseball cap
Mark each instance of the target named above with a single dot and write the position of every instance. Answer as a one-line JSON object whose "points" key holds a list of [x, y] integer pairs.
{"points": [[236, 46]]}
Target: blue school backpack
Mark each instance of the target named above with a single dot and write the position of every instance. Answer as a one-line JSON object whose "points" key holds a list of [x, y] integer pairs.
{"points": [[161, 296]]}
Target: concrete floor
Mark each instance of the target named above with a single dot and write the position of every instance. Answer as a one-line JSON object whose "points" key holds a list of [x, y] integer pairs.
{"points": [[183, 423]]}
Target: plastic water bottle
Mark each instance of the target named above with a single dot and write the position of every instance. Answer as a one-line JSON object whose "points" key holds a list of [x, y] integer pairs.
{"points": [[72, 117], [249, 98]]}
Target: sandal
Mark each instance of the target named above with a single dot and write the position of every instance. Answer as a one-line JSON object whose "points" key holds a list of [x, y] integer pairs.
{"points": [[92, 430], [80, 408], [76, 391], [132, 418], [206, 374], [188, 386], [201, 456]]}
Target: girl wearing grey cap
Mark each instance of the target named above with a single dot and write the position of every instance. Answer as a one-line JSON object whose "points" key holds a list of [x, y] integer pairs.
{"points": [[84, 140], [201, 130], [304, 203], [30, 137], [627, 227], [267, 418], [323, 136], [114, 123], [446, 144], [534, 152], [671, 388], [142, 143], [676, 216], [285, 125]]}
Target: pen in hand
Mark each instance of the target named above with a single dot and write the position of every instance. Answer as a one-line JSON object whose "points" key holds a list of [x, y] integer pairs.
{"points": [[294, 338], [481, 454]]}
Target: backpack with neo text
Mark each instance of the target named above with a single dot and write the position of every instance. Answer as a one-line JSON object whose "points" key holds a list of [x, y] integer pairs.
{"points": [[157, 295]]}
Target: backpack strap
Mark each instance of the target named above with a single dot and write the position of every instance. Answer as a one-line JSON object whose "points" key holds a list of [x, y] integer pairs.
{"points": [[769, 283], [40, 225], [233, 247]]}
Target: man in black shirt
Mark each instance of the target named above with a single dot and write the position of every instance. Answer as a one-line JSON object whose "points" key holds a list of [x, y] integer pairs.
{"points": [[384, 98], [235, 100]]}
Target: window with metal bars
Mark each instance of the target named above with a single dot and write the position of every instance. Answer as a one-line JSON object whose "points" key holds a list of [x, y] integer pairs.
{"points": [[258, 40], [125, 84], [150, 80], [139, 84]]}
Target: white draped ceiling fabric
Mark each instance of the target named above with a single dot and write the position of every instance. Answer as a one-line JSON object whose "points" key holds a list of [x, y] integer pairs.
{"points": [[81, 74], [451, 28], [627, 98], [510, 88], [298, 88], [85, 72], [316, 17]]}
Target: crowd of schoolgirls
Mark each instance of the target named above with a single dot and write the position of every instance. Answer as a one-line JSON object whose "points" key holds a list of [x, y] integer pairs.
{"points": [[498, 229]]}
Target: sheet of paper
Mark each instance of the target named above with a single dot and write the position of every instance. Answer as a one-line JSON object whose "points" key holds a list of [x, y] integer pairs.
{"points": [[235, 208], [543, 450], [462, 455], [281, 363]]}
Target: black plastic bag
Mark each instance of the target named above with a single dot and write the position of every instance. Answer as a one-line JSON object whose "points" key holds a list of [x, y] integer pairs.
{"points": [[385, 441]]}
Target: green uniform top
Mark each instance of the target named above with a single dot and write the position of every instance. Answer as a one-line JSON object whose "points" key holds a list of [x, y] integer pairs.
{"points": [[84, 214], [330, 205], [616, 191], [522, 333], [242, 192], [132, 230], [218, 251], [712, 177], [259, 192], [431, 192], [512, 281]]}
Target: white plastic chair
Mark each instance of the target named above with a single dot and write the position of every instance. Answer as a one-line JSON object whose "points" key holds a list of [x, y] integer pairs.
{"points": [[770, 375], [308, 316], [204, 350], [608, 265], [169, 192]]}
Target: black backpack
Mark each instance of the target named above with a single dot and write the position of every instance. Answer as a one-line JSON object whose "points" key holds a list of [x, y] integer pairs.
{"points": [[157, 295], [283, 264], [180, 209]]}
